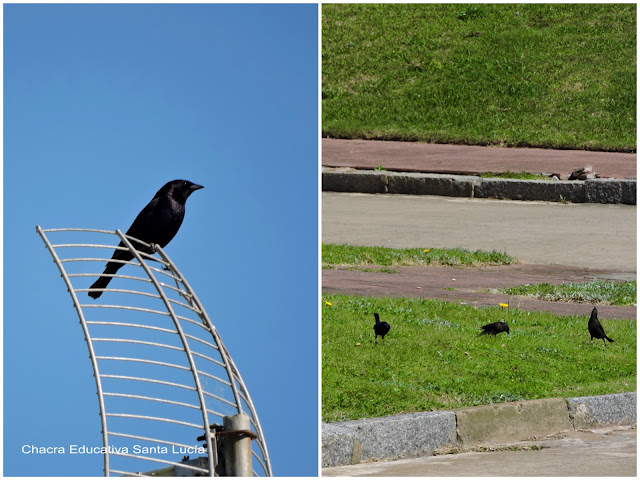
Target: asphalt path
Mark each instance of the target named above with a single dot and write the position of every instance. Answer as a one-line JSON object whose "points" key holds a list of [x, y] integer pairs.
{"points": [[598, 453], [583, 235]]}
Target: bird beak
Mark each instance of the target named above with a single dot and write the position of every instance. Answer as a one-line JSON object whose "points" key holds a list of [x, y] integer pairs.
{"points": [[195, 187]]}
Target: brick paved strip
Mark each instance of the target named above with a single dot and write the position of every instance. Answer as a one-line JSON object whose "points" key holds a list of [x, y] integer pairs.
{"points": [[470, 285], [467, 160]]}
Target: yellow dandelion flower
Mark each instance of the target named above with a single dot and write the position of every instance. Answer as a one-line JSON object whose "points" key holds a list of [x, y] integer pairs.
{"points": [[426, 250], [328, 304], [504, 305]]}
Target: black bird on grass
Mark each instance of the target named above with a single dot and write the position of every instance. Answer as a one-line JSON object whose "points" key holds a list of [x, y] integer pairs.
{"points": [[495, 328], [380, 328], [156, 224], [595, 328]]}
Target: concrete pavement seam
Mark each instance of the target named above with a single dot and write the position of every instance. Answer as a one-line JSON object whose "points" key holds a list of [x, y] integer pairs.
{"points": [[616, 191], [419, 434]]}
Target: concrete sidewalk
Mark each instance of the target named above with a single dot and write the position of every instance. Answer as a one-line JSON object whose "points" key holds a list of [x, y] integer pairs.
{"points": [[600, 452], [591, 236]]}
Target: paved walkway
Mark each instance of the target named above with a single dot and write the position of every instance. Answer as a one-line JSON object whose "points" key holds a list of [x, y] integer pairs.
{"points": [[583, 235], [463, 159], [598, 453]]}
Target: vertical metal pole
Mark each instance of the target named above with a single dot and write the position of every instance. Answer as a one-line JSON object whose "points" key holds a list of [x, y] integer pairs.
{"points": [[237, 448]]}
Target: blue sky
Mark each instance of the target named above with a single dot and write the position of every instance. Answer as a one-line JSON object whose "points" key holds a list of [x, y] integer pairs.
{"points": [[103, 104]]}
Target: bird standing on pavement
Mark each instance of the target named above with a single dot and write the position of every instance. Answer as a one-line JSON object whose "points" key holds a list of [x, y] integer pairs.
{"points": [[595, 328], [495, 328], [156, 224], [380, 328]]}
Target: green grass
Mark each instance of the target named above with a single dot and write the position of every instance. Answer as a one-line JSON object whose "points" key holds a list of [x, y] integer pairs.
{"points": [[373, 269], [433, 359], [348, 255], [515, 175], [542, 75], [599, 291]]}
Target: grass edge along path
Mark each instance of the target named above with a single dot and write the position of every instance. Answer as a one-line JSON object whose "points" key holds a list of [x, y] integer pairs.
{"points": [[349, 255], [433, 358], [601, 292]]}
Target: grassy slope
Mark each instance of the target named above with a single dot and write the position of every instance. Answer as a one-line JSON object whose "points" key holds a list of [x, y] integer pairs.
{"points": [[545, 75], [433, 358]]}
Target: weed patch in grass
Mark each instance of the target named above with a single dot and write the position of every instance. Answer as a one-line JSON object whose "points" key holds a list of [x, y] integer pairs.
{"points": [[348, 255], [433, 358], [599, 292]]}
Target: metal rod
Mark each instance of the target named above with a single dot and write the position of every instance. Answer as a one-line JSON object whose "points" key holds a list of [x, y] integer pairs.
{"points": [[144, 360], [187, 350], [150, 380], [151, 399], [157, 419], [87, 337], [138, 342], [125, 307], [133, 325]]}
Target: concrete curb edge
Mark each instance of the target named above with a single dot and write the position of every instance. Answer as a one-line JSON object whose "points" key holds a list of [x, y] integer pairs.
{"points": [[599, 190], [420, 434]]}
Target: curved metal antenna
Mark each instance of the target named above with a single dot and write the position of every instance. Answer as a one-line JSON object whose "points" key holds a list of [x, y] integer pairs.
{"points": [[164, 379]]}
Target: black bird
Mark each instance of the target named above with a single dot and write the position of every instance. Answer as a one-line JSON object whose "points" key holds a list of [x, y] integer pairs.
{"points": [[380, 328], [595, 328], [156, 224], [495, 328]]}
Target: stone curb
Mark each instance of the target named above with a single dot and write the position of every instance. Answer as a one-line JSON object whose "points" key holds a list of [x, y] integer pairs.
{"points": [[511, 422], [411, 435], [589, 412], [599, 190], [419, 434]]}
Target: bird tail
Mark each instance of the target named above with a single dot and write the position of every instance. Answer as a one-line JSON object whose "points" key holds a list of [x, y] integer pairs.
{"points": [[103, 281], [608, 339]]}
